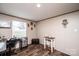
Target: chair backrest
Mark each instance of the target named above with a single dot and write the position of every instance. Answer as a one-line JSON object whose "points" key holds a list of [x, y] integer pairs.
{"points": [[11, 43]]}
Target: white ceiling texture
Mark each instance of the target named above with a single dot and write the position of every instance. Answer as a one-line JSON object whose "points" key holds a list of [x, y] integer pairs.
{"points": [[32, 12]]}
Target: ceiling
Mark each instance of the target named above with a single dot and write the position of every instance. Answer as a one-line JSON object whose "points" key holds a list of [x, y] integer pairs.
{"points": [[31, 12]]}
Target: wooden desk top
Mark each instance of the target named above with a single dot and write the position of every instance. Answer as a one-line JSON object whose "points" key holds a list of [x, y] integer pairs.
{"points": [[49, 38]]}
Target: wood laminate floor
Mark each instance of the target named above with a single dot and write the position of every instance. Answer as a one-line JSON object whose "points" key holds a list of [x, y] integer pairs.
{"points": [[38, 50]]}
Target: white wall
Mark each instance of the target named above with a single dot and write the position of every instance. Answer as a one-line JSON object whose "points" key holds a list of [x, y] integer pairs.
{"points": [[31, 33], [66, 39], [8, 32]]}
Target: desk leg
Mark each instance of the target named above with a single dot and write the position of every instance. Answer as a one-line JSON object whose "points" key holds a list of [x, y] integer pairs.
{"points": [[51, 45], [44, 43]]}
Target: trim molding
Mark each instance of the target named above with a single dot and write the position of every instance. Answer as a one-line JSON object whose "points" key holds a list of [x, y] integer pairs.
{"points": [[41, 19], [58, 15], [15, 16]]}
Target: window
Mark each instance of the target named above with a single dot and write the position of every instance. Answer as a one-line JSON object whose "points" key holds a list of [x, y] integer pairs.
{"points": [[18, 29]]}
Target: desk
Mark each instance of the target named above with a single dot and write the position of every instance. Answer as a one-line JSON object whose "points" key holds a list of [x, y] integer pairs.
{"points": [[51, 40]]}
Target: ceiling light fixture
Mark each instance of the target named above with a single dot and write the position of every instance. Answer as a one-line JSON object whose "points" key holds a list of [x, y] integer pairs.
{"points": [[38, 5]]}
